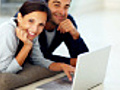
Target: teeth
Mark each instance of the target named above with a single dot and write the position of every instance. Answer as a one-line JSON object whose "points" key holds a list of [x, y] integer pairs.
{"points": [[31, 33]]}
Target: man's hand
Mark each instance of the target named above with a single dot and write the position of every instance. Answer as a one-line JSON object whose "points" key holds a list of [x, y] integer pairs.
{"points": [[68, 69], [67, 26], [22, 35]]}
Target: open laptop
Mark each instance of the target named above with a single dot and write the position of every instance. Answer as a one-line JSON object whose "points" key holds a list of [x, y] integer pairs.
{"points": [[90, 72]]}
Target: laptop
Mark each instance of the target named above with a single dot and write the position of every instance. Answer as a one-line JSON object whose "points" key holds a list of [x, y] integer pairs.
{"points": [[90, 72]]}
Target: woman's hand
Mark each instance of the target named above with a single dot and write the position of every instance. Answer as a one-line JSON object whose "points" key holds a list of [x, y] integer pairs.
{"points": [[23, 53], [22, 35], [68, 69]]}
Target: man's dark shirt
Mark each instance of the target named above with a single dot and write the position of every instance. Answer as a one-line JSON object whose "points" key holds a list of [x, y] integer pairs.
{"points": [[75, 47]]}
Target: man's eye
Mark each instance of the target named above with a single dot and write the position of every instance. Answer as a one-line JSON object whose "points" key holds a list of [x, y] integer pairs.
{"points": [[31, 20], [67, 7]]}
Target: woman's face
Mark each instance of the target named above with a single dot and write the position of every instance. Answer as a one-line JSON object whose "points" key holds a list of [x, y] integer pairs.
{"points": [[33, 23]]}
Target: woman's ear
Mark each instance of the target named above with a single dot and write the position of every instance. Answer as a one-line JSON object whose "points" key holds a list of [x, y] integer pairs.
{"points": [[19, 17]]}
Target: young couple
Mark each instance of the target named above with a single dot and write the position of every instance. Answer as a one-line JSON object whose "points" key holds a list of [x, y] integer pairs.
{"points": [[35, 33]]}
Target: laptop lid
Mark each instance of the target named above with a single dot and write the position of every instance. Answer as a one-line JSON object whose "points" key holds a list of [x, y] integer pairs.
{"points": [[91, 69]]}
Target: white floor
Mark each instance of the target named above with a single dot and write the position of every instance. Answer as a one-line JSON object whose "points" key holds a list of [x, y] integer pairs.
{"points": [[99, 29]]}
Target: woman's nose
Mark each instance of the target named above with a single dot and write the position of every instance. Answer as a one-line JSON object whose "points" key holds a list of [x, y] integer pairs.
{"points": [[34, 28]]}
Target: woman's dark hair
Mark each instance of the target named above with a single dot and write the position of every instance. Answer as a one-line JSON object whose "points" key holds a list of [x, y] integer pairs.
{"points": [[48, 0], [35, 5]]}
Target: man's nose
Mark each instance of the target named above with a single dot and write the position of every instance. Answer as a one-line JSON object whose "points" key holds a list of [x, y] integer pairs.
{"points": [[62, 11]]}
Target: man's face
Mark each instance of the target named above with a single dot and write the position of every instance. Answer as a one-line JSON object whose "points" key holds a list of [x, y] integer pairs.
{"points": [[59, 10]]}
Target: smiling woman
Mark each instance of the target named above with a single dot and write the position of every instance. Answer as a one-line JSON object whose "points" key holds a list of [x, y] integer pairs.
{"points": [[32, 24], [19, 36]]}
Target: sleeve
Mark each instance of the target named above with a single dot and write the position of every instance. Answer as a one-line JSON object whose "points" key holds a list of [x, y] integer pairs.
{"points": [[57, 58], [37, 57], [8, 63], [72, 19], [75, 47]]}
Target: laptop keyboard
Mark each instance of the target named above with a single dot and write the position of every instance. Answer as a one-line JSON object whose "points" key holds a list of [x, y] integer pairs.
{"points": [[59, 84]]}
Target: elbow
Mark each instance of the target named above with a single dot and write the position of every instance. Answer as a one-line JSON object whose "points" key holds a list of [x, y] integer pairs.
{"points": [[6, 71]]}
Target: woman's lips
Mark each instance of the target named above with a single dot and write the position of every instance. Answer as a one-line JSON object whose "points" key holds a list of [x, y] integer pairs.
{"points": [[31, 34]]}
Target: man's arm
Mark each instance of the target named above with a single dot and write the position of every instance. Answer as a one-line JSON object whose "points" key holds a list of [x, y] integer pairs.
{"points": [[72, 39]]}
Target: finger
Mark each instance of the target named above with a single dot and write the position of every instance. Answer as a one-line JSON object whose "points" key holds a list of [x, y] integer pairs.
{"points": [[58, 28], [22, 33], [25, 35], [17, 30], [68, 75], [20, 28], [65, 28], [72, 71], [66, 22], [62, 29]]}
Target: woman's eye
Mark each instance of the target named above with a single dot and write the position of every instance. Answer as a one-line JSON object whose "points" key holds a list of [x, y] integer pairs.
{"points": [[41, 24], [56, 5]]}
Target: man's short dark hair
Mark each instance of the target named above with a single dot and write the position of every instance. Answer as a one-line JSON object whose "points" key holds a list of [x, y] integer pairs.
{"points": [[46, 0]]}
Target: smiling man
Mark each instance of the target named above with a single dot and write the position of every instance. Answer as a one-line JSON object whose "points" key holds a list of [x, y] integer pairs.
{"points": [[61, 28]]}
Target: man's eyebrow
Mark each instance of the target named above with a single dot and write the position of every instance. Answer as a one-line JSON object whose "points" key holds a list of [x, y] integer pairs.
{"points": [[56, 2], [68, 5]]}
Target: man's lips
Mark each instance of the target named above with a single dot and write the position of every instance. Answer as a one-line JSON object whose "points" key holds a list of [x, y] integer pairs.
{"points": [[59, 17]]}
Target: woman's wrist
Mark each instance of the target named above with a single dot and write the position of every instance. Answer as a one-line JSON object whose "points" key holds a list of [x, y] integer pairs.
{"points": [[56, 67], [28, 46]]}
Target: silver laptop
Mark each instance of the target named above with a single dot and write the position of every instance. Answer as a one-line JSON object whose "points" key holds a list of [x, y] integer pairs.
{"points": [[90, 72]]}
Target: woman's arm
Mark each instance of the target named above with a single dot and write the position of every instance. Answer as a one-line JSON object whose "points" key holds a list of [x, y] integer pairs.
{"points": [[9, 44], [63, 67], [38, 59], [8, 47], [23, 54], [27, 45]]}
